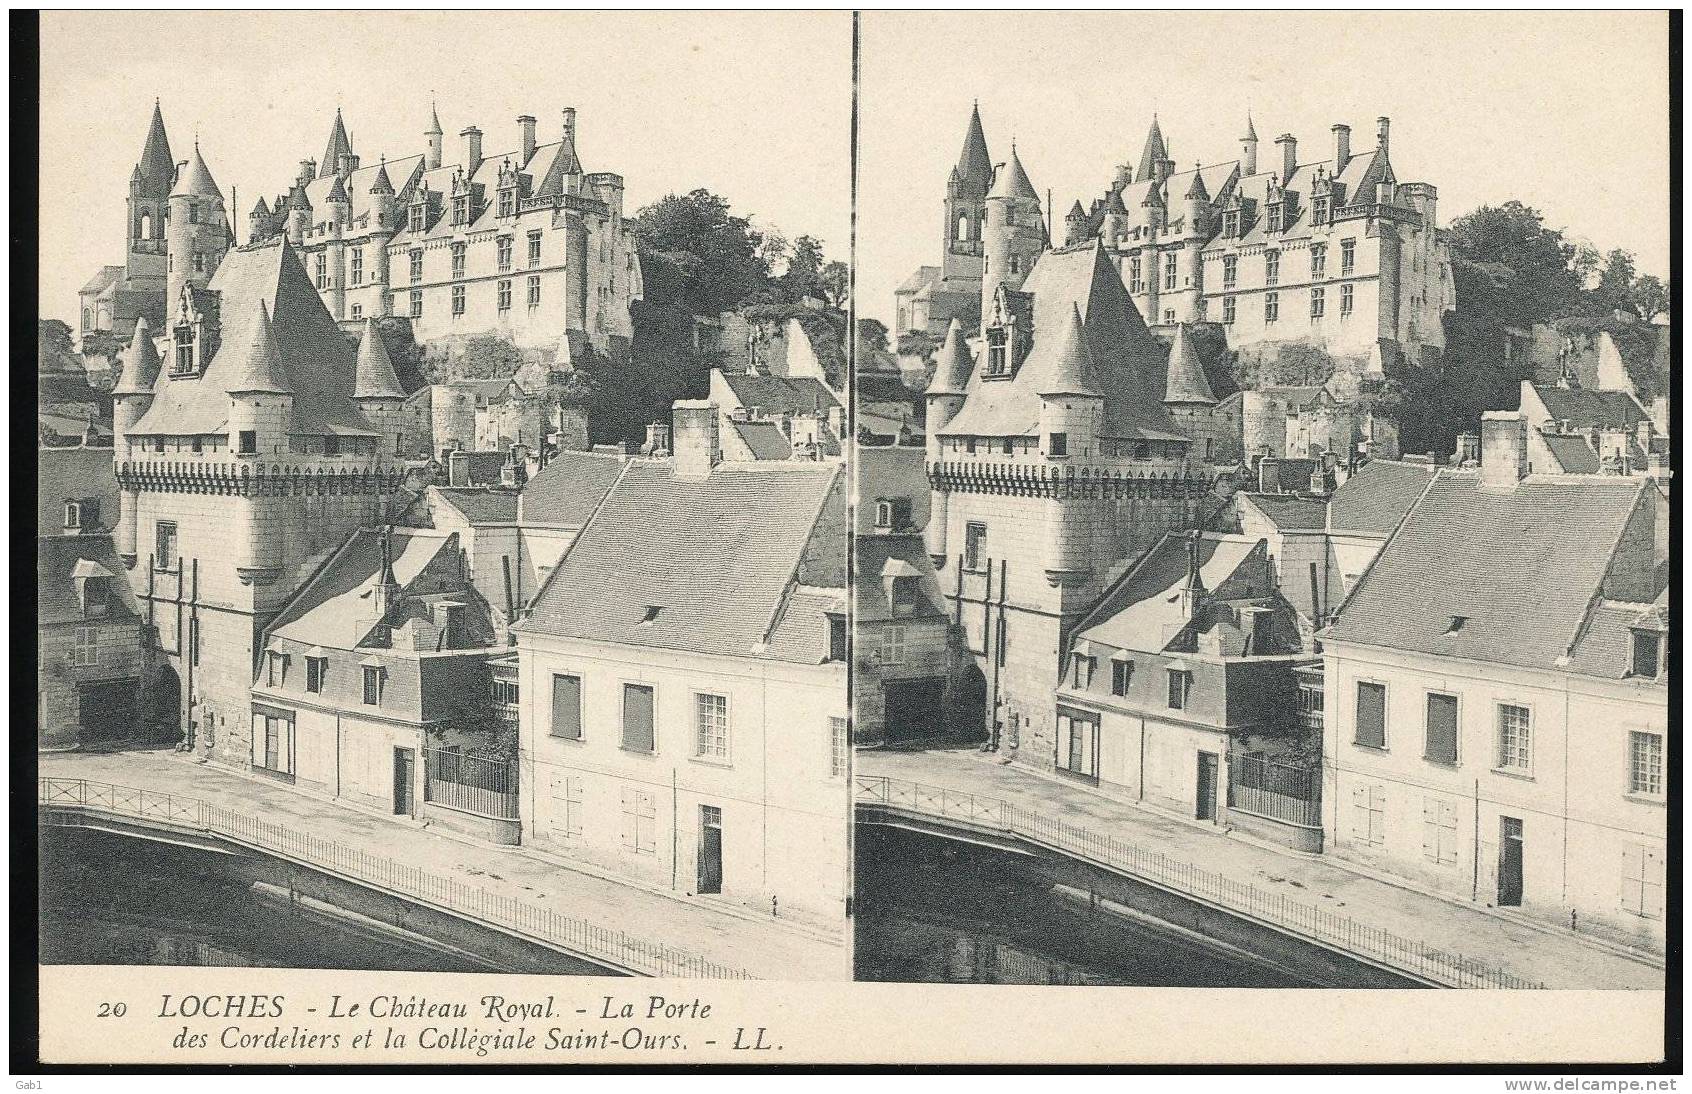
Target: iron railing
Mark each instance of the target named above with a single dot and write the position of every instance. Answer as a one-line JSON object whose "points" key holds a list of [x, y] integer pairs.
{"points": [[479, 784], [66, 801], [1305, 920], [1257, 784]]}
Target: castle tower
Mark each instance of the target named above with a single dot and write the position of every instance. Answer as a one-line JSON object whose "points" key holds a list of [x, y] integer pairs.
{"points": [[1248, 149], [258, 222], [1071, 420], [131, 400], [966, 208], [377, 391], [945, 397], [149, 192], [299, 215], [386, 221], [1015, 234], [435, 138], [197, 234], [1074, 225], [1116, 218]]}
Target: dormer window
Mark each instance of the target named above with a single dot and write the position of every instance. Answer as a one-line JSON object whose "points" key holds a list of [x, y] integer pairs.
{"points": [[416, 220], [883, 516], [998, 356], [183, 365], [461, 210], [1231, 222], [508, 201], [1647, 655], [1275, 215], [837, 638], [1319, 211]]}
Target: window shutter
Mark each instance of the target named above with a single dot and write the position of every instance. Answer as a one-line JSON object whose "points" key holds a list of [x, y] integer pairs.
{"points": [[1651, 894], [1371, 714], [1631, 886], [637, 717], [629, 826], [1360, 812], [1442, 728], [567, 707], [1430, 828]]}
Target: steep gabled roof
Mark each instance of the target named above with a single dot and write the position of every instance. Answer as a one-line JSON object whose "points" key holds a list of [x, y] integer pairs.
{"points": [[338, 607], [569, 488], [1128, 361], [1590, 409], [1377, 495], [781, 394], [315, 361], [57, 559], [702, 564], [1531, 563], [1573, 453], [1145, 612], [765, 440]]}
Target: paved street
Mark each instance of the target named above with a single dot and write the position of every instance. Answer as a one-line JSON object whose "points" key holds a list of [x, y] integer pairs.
{"points": [[763, 948], [1551, 957]]}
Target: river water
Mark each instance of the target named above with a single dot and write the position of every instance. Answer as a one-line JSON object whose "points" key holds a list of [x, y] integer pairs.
{"points": [[936, 911], [116, 901]]}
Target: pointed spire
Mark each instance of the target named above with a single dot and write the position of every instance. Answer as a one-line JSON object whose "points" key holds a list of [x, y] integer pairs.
{"points": [[261, 209], [258, 360], [975, 167], [1011, 181], [1071, 371], [1076, 212], [375, 377], [1113, 202], [157, 167], [434, 121], [1154, 152], [339, 145], [1250, 130], [337, 192], [953, 366], [140, 363], [197, 180], [1186, 381], [381, 183], [1198, 188]]}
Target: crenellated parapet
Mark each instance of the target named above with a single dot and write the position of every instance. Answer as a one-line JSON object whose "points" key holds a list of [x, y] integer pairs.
{"points": [[255, 479], [1045, 481]]}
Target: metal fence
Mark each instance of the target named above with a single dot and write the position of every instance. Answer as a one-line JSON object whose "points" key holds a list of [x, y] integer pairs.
{"points": [[65, 800], [1305, 920], [1258, 784], [479, 784]]}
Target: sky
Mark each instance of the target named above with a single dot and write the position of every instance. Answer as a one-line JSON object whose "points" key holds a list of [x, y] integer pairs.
{"points": [[755, 107], [1567, 112]]}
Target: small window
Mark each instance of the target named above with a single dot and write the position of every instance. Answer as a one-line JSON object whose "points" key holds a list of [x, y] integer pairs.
{"points": [[458, 300], [1057, 444], [248, 440], [637, 718], [1645, 763], [1318, 256], [358, 311], [73, 516], [164, 541], [416, 304], [1348, 299], [711, 720], [566, 707], [372, 686], [836, 638], [87, 650], [1230, 271], [331, 445], [534, 249], [1229, 310], [317, 668], [416, 225], [1371, 714], [503, 247], [998, 358], [893, 644], [534, 292], [1121, 672], [1318, 303], [975, 546], [1348, 256], [1647, 646], [1271, 307], [1515, 742], [1271, 267], [1441, 741], [505, 295], [458, 252], [1082, 671], [276, 669], [416, 265], [1180, 689], [837, 748], [358, 265]]}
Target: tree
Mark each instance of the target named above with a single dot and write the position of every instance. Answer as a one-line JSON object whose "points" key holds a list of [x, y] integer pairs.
{"points": [[403, 351], [836, 283], [1615, 283], [709, 259], [872, 335], [1650, 297], [54, 349], [1528, 272], [804, 270]]}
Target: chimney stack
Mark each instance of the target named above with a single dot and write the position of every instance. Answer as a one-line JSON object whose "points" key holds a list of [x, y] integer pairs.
{"points": [[1503, 456], [569, 133], [657, 440], [1289, 155], [1193, 592], [1342, 147], [472, 150], [1382, 127], [697, 449], [527, 124], [458, 469]]}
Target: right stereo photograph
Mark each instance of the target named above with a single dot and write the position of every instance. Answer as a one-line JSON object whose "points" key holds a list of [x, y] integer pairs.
{"points": [[1262, 522]]}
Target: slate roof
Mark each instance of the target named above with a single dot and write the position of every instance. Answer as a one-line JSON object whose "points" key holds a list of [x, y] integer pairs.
{"points": [[975, 166], [1154, 151], [339, 145], [1588, 409], [105, 278], [1377, 495], [1143, 613], [801, 634], [480, 504], [923, 276], [374, 376], [953, 365], [781, 394], [1573, 453], [197, 179], [1519, 568], [140, 362], [1127, 359], [315, 359], [1290, 512], [906, 553], [569, 488], [157, 167], [1605, 648], [547, 169], [360, 184], [765, 439], [56, 559], [1185, 381], [714, 555], [337, 608], [1012, 181]]}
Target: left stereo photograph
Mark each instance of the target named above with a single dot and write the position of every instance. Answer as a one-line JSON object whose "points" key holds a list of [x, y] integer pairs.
{"points": [[443, 481]]}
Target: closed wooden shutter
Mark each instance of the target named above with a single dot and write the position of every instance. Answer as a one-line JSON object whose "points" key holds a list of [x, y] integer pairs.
{"points": [[1442, 728], [637, 717], [1371, 714], [567, 707]]}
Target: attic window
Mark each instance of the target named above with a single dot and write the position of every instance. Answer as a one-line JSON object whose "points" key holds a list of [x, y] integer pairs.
{"points": [[883, 516], [998, 359], [652, 611], [1647, 648], [837, 638], [1457, 622], [73, 516]]}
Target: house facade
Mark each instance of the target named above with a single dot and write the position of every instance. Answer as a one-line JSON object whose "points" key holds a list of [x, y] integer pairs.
{"points": [[92, 670]]}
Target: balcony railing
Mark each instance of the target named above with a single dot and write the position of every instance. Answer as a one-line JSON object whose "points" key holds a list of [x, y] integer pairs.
{"points": [[68, 802], [1308, 921]]}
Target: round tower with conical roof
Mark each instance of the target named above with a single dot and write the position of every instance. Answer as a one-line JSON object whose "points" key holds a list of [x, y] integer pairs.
{"points": [[261, 410], [197, 232], [1015, 233], [1071, 422], [435, 138], [131, 400], [945, 397], [377, 391]]}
